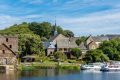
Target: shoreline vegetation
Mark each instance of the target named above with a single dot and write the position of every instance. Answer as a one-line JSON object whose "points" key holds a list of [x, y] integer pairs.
{"points": [[48, 65]]}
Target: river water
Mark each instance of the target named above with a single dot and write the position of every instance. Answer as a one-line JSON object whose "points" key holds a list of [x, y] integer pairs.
{"points": [[55, 74]]}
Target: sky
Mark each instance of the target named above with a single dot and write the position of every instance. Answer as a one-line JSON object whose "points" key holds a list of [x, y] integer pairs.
{"points": [[83, 17]]}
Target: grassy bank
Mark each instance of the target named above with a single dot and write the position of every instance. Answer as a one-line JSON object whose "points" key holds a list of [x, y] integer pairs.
{"points": [[48, 65]]}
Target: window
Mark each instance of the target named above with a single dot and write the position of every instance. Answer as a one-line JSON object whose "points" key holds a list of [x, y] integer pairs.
{"points": [[6, 39], [10, 46], [65, 49], [3, 51]]}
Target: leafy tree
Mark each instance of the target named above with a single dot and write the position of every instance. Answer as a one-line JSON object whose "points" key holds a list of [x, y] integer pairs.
{"points": [[68, 33], [81, 39], [111, 48], [42, 29], [60, 30], [76, 52], [60, 56], [30, 44], [95, 56]]}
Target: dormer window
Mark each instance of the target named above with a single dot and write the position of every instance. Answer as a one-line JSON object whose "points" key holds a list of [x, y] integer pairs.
{"points": [[6, 39]]}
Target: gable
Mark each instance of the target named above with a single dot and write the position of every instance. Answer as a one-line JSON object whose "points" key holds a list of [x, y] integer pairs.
{"points": [[57, 37], [6, 51], [89, 40]]}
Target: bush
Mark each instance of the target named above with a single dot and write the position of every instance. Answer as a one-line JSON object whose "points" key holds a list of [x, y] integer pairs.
{"points": [[60, 56], [76, 52]]}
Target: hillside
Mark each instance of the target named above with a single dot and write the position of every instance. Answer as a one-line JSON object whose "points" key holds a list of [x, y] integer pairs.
{"points": [[44, 29]]}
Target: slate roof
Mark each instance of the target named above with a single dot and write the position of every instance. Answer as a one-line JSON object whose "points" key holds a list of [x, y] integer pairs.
{"points": [[113, 36], [82, 46], [63, 43], [52, 38], [100, 38], [66, 43], [48, 45]]}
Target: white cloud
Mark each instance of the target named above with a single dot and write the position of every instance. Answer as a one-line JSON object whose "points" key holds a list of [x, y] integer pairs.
{"points": [[7, 20], [97, 23]]}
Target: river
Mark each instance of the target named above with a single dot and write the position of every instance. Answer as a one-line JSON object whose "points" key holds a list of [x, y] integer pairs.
{"points": [[55, 74]]}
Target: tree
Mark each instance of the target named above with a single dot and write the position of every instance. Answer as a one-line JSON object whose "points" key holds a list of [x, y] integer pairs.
{"points": [[68, 33], [60, 56], [76, 52], [81, 39], [95, 56], [111, 48], [30, 44], [42, 29], [60, 30]]}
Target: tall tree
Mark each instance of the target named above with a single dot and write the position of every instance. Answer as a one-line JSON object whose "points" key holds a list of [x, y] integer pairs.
{"points": [[76, 52], [30, 44], [68, 33], [42, 29]]}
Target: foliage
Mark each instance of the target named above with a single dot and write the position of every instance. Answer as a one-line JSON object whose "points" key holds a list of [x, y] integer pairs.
{"points": [[60, 56], [42, 29], [81, 39], [30, 44], [111, 48], [17, 29], [68, 33], [76, 52], [95, 56]]}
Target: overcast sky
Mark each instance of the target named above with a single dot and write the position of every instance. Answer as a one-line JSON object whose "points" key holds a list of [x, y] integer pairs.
{"points": [[83, 17]]}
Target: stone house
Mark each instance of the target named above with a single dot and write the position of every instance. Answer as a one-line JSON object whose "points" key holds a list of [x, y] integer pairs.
{"points": [[92, 43], [59, 43], [8, 50]]}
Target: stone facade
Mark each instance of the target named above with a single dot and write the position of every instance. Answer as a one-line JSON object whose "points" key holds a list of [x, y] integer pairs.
{"points": [[59, 43], [92, 43], [64, 44], [8, 49]]}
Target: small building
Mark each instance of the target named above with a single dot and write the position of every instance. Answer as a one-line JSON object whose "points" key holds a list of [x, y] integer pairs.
{"points": [[8, 50], [59, 43], [92, 43]]}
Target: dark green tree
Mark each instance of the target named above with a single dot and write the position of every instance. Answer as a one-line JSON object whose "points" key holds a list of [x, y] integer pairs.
{"points": [[95, 56], [76, 52], [81, 39], [42, 29], [68, 33]]}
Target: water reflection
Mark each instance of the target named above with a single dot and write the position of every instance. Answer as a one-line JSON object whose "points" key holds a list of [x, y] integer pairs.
{"points": [[11, 75], [26, 75], [58, 74], [46, 73]]}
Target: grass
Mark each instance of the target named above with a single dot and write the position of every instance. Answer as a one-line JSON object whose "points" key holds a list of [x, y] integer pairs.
{"points": [[49, 65]]}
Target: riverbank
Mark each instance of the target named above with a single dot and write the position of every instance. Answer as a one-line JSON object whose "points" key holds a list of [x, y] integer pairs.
{"points": [[48, 65]]}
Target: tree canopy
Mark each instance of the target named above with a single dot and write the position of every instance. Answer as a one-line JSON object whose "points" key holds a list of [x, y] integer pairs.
{"points": [[76, 52], [111, 48], [95, 56], [81, 39], [30, 44]]}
